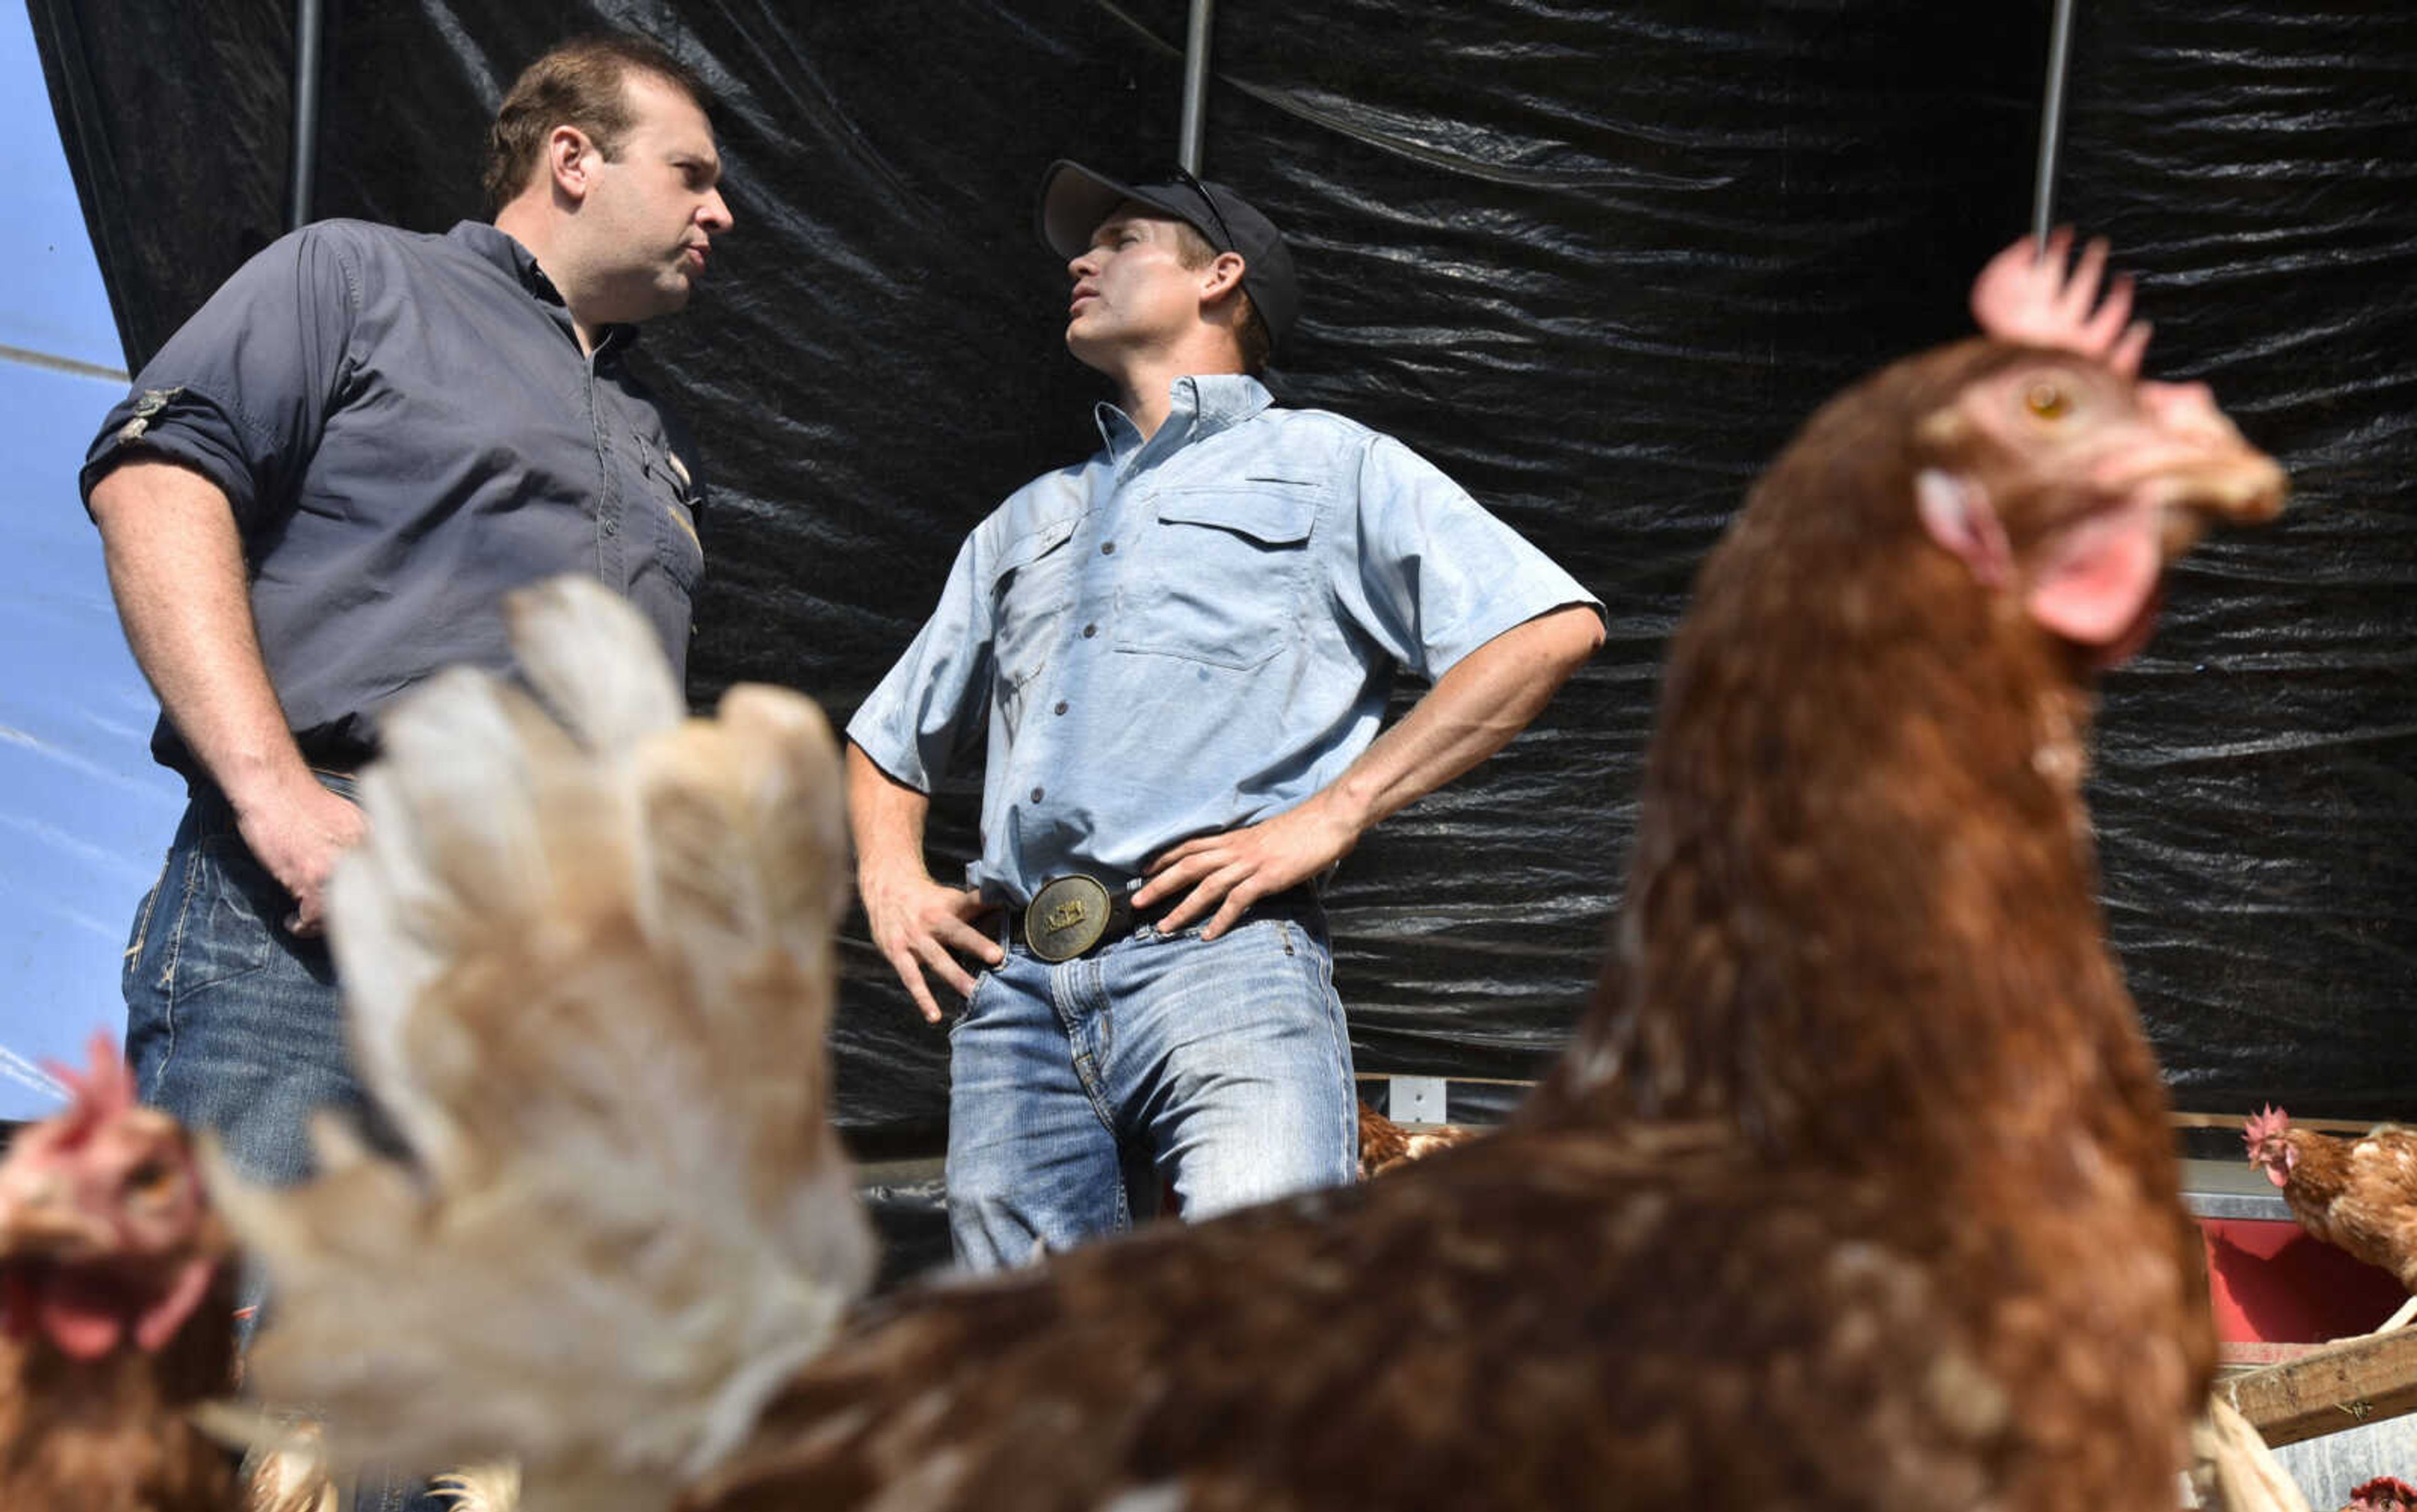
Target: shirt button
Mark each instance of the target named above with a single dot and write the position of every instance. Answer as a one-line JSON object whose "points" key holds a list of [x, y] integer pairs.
{"points": [[1061, 706], [1107, 548], [1090, 630], [1036, 795]]}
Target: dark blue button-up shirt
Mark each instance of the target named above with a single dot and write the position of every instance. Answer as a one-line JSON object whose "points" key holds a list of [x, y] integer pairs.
{"points": [[407, 429]]}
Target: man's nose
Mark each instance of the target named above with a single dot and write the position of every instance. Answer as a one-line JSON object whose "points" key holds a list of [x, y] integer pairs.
{"points": [[714, 215]]}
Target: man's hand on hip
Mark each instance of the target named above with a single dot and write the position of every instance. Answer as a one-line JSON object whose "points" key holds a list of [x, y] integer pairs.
{"points": [[918, 923], [1232, 871], [298, 834]]}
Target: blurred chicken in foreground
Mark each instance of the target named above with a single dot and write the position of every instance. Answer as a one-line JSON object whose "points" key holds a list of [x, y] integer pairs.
{"points": [[1856, 1189], [590, 963], [116, 1301]]}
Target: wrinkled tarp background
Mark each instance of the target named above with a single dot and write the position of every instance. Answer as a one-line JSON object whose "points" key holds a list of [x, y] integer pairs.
{"points": [[1595, 260]]}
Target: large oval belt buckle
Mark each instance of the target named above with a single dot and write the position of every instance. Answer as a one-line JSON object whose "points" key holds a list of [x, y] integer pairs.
{"points": [[1066, 917]]}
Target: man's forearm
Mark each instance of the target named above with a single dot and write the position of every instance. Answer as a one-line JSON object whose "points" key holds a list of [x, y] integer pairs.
{"points": [[1472, 711], [885, 819], [175, 566]]}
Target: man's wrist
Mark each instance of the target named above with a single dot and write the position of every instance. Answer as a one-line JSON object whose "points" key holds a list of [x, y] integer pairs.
{"points": [[887, 875], [1349, 806], [262, 781]]}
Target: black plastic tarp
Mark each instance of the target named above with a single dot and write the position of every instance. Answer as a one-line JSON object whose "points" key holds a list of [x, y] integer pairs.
{"points": [[1595, 260]]}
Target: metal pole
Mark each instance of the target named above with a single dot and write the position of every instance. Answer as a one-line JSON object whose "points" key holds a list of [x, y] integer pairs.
{"points": [[1195, 85], [2059, 47], [306, 114]]}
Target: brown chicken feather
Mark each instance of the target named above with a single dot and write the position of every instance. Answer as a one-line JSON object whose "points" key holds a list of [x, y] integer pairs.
{"points": [[588, 953], [1385, 1145], [1855, 1190], [118, 1282]]}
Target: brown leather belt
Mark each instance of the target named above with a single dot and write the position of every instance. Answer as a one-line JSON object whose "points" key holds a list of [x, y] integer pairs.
{"points": [[1075, 914]]}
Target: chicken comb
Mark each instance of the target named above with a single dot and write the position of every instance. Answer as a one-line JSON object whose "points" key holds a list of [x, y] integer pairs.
{"points": [[2264, 1125], [102, 1090], [2384, 1491]]}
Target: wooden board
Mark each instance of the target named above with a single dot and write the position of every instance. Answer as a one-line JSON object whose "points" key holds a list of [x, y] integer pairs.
{"points": [[2338, 1386]]}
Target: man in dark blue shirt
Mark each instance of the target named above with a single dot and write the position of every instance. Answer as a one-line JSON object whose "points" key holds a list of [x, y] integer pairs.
{"points": [[315, 496]]}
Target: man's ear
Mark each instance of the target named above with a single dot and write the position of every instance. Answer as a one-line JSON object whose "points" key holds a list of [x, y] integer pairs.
{"points": [[1221, 276], [569, 152]]}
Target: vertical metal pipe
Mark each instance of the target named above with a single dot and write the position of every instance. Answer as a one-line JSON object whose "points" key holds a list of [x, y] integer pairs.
{"points": [[2060, 48], [1195, 85], [305, 154]]}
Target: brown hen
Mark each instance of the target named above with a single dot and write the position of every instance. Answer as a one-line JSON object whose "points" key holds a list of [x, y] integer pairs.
{"points": [[1855, 1190], [116, 1293], [2357, 1195]]}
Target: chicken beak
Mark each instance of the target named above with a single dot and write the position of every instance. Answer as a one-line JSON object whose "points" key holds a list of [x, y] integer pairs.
{"points": [[2205, 472]]}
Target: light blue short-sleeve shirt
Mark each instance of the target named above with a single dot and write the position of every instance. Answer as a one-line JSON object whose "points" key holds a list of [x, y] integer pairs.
{"points": [[1194, 633]]}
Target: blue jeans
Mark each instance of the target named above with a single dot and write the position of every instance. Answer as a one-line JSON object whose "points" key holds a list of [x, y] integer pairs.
{"points": [[237, 1027], [233, 1023], [1221, 1067]]}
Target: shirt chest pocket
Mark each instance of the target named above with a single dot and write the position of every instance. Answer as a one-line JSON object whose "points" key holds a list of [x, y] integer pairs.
{"points": [[671, 510], [1223, 576], [1029, 595]]}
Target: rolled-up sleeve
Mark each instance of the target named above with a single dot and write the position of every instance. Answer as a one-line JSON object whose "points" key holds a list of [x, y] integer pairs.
{"points": [[932, 705], [1432, 577], [242, 392]]}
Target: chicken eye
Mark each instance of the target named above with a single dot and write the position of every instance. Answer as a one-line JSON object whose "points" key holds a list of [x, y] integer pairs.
{"points": [[2046, 399], [150, 1179]]}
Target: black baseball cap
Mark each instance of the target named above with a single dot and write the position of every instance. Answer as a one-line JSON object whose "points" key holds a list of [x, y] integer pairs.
{"points": [[1074, 200]]}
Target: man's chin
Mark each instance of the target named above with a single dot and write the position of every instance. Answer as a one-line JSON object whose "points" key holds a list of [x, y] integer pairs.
{"points": [[667, 298], [1088, 347]]}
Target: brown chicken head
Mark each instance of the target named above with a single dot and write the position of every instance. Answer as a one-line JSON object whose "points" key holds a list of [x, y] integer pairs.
{"points": [[2051, 476], [106, 1236], [2267, 1134], [2384, 1494]]}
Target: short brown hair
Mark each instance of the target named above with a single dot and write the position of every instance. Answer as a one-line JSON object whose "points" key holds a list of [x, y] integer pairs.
{"points": [[583, 84], [1193, 250]]}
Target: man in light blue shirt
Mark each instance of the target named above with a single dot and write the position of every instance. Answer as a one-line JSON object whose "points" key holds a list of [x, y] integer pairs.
{"points": [[1180, 651]]}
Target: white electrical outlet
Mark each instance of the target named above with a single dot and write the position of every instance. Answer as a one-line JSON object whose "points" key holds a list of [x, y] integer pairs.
{"points": [[1416, 1100]]}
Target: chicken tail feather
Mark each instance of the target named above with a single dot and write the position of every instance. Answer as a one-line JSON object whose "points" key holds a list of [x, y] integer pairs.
{"points": [[588, 960]]}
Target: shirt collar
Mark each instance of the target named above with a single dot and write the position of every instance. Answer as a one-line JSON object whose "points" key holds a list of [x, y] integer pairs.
{"points": [[505, 251], [1203, 405]]}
